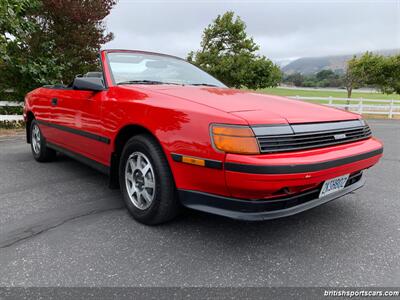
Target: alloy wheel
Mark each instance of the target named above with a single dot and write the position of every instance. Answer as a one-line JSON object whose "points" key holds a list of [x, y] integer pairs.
{"points": [[36, 138], [140, 180]]}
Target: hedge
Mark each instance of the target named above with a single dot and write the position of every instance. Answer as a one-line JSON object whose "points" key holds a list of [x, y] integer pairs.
{"points": [[12, 124], [11, 110]]}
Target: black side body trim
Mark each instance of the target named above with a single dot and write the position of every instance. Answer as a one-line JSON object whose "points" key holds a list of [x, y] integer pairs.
{"points": [[303, 168], [83, 159], [209, 163], [86, 134]]}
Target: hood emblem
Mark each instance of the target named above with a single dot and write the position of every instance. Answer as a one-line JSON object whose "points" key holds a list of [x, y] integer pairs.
{"points": [[339, 136]]}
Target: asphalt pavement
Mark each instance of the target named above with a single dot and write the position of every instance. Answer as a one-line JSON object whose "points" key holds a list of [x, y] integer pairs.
{"points": [[60, 225]]}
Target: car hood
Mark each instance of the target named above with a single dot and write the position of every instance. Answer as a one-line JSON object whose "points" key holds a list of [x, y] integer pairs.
{"points": [[257, 108]]}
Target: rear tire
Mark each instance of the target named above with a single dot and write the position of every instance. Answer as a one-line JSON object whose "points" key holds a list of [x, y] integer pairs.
{"points": [[40, 151], [146, 181]]}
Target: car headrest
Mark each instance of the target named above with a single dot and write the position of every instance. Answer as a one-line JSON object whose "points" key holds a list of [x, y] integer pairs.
{"points": [[94, 74]]}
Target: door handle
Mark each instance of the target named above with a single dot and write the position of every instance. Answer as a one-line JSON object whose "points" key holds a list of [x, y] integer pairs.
{"points": [[54, 101]]}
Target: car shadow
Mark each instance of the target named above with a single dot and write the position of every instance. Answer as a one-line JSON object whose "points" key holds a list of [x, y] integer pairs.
{"points": [[313, 224]]}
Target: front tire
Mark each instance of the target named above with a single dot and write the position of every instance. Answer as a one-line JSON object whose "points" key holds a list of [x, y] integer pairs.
{"points": [[40, 151], [146, 181]]}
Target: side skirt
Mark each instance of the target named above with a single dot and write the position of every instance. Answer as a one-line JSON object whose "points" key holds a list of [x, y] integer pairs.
{"points": [[83, 159]]}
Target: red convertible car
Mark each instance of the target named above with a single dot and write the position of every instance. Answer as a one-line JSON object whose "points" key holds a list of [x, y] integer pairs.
{"points": [[170, 135]]}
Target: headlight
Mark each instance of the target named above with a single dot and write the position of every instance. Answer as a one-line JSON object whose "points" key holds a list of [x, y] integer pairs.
{"points": [[234, 139]]}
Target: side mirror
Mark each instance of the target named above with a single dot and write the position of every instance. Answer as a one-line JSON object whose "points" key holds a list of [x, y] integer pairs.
{"points": [[88, 84]]}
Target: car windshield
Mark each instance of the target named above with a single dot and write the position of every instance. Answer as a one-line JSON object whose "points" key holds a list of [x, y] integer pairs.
{"points": [[143, 68]]}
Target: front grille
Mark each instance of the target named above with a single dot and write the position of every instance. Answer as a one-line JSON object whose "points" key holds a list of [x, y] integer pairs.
{"points": [[312, 139]]}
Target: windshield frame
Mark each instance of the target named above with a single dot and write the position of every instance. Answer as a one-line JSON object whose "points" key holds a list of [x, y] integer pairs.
{"points": [[107, 52]]}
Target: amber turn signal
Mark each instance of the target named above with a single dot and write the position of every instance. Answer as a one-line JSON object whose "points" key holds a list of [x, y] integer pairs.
{"points": [[234, 139], [193, 161]]}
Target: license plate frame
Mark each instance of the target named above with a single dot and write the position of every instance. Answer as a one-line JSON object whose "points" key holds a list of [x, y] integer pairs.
{"points": [[333, 185]]}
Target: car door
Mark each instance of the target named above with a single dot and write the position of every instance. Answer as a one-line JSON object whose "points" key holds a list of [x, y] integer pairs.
{"points": [[77, 117]]}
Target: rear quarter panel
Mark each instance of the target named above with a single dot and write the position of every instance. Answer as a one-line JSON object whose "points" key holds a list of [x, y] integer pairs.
{"points": [[38, 103]]}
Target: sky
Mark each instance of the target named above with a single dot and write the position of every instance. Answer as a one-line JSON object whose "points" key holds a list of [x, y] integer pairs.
{"points": [[285, 30]]}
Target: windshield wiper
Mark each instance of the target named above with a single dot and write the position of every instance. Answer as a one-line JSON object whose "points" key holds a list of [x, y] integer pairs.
{"points": [[146, 82], [204, 84]]}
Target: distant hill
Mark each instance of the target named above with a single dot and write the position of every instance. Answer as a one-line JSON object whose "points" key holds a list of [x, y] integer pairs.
{"points": [[311, 65]]}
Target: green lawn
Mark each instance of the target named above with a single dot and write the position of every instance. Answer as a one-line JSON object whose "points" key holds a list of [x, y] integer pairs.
{"points": [[319, 93]]}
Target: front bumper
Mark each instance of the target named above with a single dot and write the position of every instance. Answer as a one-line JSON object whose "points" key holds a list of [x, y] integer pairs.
{"points": [[258, 210], [267, 176]]}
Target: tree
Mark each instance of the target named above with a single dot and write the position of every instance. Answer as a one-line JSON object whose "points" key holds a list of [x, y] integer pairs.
{"points": [[324, 78], [374, 70], [63, 41], [353, 76], [77, 30], [296, 78], [14, 29], [328, 78], [324, 74], [389, 79], [230, 55], [13, 21]]}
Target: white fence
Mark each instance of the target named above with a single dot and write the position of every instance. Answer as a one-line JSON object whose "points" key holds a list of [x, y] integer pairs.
{"points": [[389, 108], [11, 117]]}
